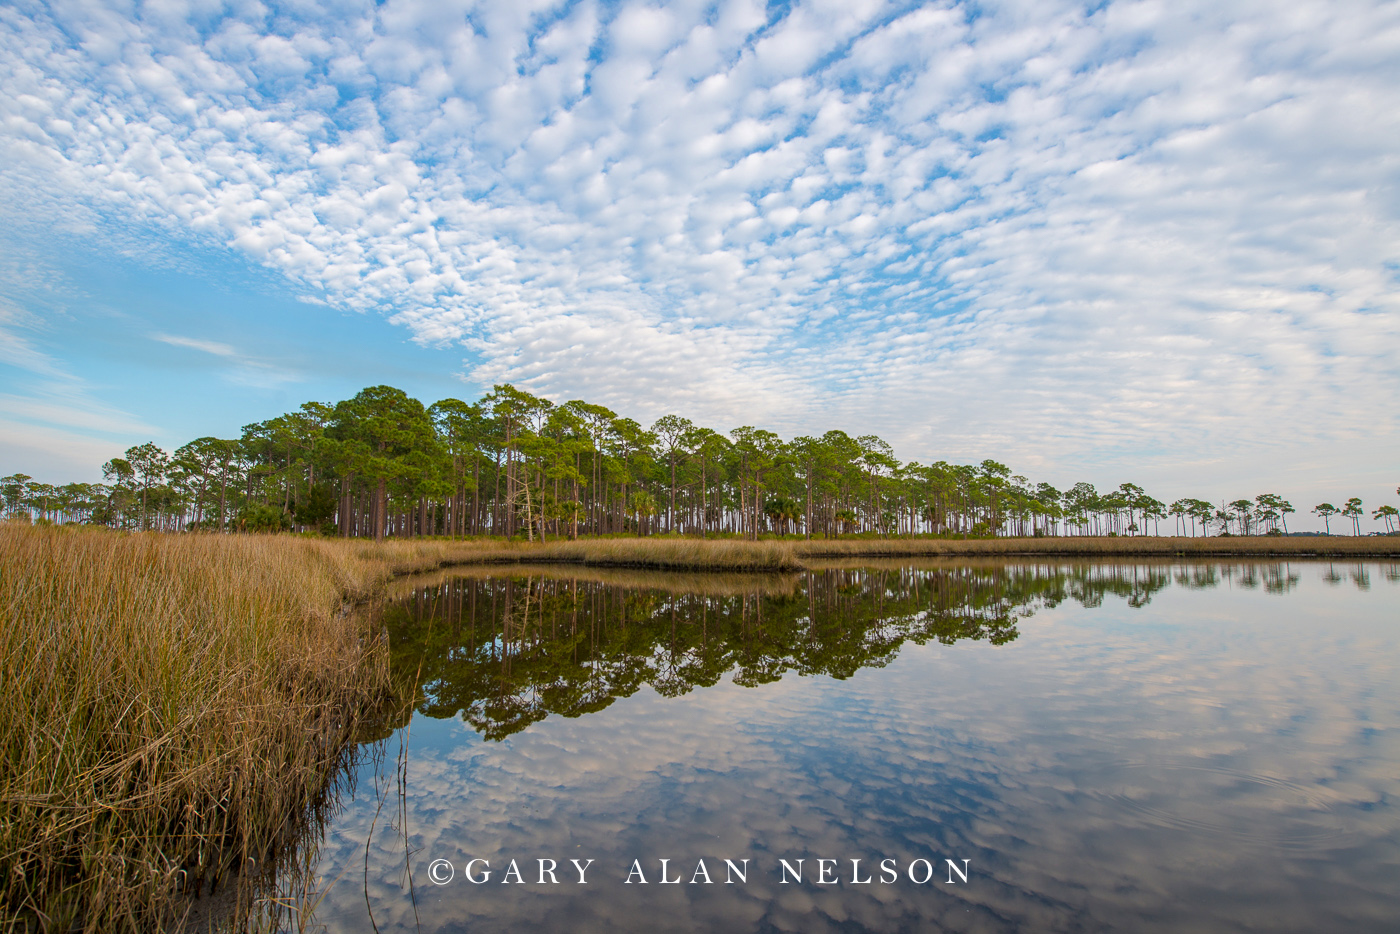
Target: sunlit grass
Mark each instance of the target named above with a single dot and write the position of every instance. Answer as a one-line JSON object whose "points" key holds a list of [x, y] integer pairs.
{"points": [[171, 705]]}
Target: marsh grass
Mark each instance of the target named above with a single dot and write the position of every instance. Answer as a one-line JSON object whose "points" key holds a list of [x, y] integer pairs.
{"points": [[666, 552], [678, 553], [173, 705]]}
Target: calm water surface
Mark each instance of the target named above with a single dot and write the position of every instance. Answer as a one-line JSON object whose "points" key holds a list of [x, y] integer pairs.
{"points": [[1144, 747]]}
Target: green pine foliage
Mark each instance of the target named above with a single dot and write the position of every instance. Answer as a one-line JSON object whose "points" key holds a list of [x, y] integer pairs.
{"points": [[513, 464]]}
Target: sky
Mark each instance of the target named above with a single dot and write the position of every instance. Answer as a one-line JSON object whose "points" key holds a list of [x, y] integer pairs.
{"points": [[1155, 242]]}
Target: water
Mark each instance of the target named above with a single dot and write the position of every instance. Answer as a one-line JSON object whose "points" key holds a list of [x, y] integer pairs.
{"points": [[1145, 747]]}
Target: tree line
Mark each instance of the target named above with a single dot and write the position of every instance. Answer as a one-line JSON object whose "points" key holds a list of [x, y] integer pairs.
{"points": [[515, 464]]}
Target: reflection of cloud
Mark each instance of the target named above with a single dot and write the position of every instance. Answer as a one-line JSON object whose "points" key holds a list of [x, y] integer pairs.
{"points": [[1096, 772]]}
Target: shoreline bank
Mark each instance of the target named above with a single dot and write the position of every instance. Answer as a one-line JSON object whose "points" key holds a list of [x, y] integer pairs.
{"points": [[696, 555]]}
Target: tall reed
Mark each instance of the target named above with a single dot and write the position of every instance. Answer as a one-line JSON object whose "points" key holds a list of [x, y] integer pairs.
{"points": [[171, 705]]}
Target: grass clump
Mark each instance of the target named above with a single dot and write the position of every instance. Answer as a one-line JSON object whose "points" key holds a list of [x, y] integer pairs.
{"points": [[172, 704]]}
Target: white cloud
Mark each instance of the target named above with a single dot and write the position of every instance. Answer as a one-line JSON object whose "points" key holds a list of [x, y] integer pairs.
{"points": [[49, 452], [18, 351], [242, 369], [209, 347], [53, 421], [1047, 234]]}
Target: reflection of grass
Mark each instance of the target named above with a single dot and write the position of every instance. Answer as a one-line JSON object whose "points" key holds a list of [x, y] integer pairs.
{"points": [[699, 583], [173, 706]]}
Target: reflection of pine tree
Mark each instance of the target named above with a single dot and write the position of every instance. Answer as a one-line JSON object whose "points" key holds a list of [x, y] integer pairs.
{"points": [[504, 652]]}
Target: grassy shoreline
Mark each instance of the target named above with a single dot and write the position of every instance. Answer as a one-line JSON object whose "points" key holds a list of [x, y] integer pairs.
{"points": [[174, 702], [703, 555], [693, 554], [174, 706]]}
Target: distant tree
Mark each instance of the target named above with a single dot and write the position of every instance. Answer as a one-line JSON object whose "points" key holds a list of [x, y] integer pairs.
{"points": [[1196, 510], [1267, 513], [632, 449], [149, 465], [570, 512], [846, 520], [263, 517], [1353, 511], [757, 453], [708, 447], [1133, 498], [120, 496], [1180, 510], [377, 430], [811, 459], [1049, 502], [878, 460], [1388, 515], [14, 489], [644, 507], [1242, 509], [1222, 519], [1153, 509], [782, 512], [1276, 508], [1078, 505], [671, 431]]}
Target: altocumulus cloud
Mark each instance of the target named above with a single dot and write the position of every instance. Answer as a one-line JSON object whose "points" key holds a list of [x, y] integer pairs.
{"points": [[975, 228]]}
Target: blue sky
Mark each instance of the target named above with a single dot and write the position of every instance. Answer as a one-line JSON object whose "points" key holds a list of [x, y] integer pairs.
{"points": [[1149, 241]]}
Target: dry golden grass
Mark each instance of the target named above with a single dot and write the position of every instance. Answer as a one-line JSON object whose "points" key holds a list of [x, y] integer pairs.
{"points": [[664, 552], [172, 705], [668, 553], [692, 554]]}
